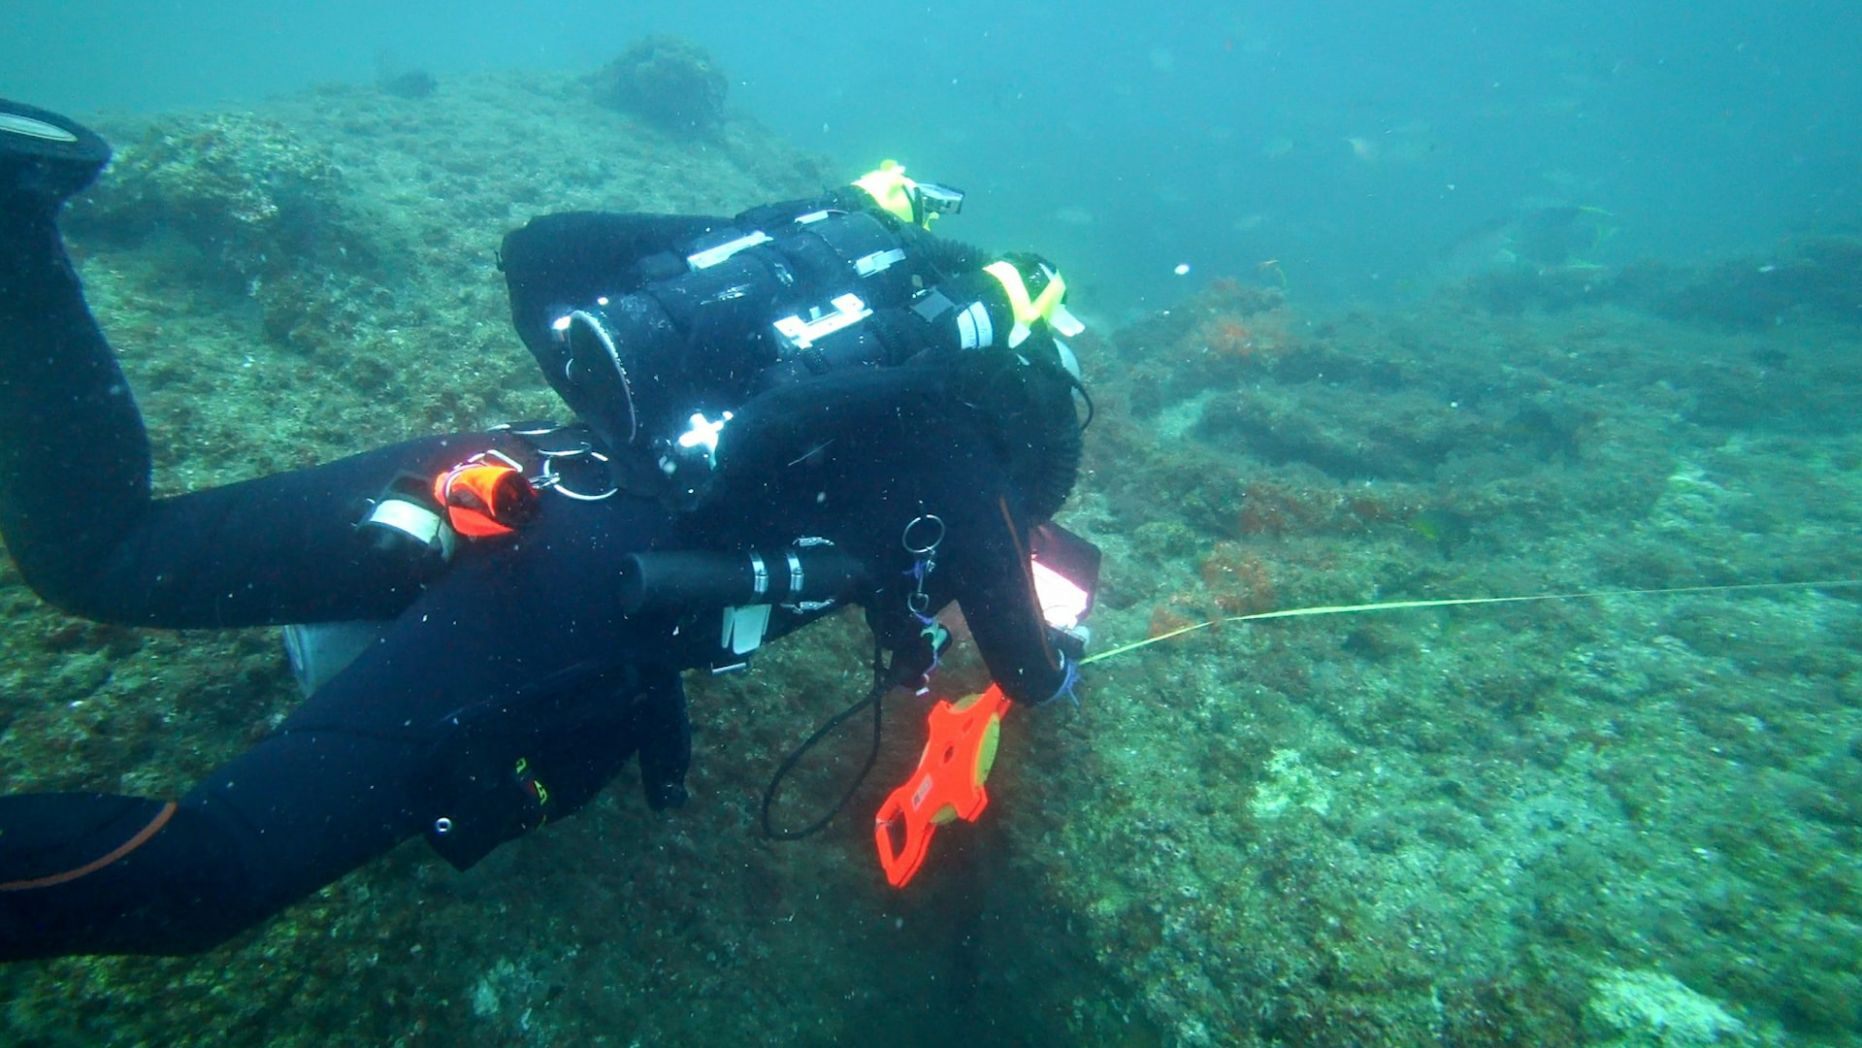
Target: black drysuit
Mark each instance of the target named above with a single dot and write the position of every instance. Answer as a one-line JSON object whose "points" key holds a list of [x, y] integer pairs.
{"points": [[512, 668]]}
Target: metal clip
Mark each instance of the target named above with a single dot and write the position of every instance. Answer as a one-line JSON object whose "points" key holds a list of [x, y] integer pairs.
{"points": [[925, 550]]}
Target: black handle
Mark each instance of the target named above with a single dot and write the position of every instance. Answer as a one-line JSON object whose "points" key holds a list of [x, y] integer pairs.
{"points": [[689, 581]]}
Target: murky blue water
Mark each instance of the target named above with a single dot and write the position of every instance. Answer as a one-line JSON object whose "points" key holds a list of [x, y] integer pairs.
{"points": [[1362, 148]]}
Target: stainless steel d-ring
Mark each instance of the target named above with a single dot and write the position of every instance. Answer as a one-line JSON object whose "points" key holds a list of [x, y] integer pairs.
{"points": [[553, 480], [930, 521]]}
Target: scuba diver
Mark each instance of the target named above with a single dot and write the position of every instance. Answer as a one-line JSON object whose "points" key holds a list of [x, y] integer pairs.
{"points": [[806, 406]]}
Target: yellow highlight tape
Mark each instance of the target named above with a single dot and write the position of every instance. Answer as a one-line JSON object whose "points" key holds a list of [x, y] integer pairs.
{"points": [[1461, 602], [891, 190]]}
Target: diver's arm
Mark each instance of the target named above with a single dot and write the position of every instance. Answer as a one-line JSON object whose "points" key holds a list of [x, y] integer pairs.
{"points": [[887, 410], [993, 584], [903, 418]]}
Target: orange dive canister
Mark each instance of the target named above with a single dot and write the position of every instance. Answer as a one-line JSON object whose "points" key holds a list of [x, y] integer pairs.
{"points": [[486, 496]]}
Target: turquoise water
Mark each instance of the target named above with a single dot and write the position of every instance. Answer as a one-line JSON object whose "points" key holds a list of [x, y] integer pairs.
{"points": [[1364, 149], [1619, 354]]}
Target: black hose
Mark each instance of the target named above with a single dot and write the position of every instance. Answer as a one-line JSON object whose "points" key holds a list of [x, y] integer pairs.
{"points": [[874, 698]]}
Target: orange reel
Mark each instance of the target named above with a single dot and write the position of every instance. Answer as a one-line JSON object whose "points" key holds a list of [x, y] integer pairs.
{"points": [[947, 785]]}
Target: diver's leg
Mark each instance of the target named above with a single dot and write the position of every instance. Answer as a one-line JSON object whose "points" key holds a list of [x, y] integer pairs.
{"points": [[75, 503], [488, 708], [93, 873], [273, 550], [45, 155], [73, 455]]}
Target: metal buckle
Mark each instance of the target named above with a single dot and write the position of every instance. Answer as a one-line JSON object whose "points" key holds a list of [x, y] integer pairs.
{"points": [[549, 479]]}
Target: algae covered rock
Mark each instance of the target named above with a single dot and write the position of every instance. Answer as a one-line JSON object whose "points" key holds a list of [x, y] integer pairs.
{"points": [[668, 82], [270, 213], [246, 190], [1651, 1008]]}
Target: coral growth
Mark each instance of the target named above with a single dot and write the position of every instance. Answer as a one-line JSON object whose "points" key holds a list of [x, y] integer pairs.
{"points": [[1174, 614], [270, 213], [1239, 321], [245, 188], [667, 81], [1234, 581], [410, 84], [1228, 333], [1237, 580]]}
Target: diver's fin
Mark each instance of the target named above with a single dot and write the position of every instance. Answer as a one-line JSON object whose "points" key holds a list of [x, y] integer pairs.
{"points": [[45, 156]]}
